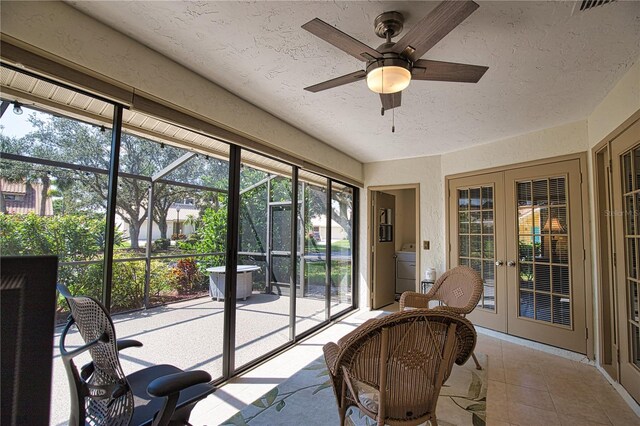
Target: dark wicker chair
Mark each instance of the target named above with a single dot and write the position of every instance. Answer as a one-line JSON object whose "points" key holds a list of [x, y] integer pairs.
{"points": [[392, 368], [101, 394], [458, 290]]}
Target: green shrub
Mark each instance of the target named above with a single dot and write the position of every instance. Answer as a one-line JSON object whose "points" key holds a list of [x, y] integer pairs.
{"points": [[186, 276], [72, 237], [212, 236], [128, 283], [161, 244]]}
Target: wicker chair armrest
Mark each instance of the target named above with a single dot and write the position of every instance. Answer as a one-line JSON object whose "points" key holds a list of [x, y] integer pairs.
{"points": [[411, 299], [331, 351], [451, 309]]}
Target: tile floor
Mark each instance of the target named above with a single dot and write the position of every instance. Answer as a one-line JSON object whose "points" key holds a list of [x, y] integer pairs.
{"points": [[526, 386], [531, 387]]}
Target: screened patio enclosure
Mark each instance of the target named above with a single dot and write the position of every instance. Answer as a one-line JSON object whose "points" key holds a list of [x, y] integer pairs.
{"points": [[141, 209]]}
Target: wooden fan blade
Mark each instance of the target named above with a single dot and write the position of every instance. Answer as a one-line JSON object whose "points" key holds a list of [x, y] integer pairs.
{"points": [[433, 27], [390, 100], [342, 41], [338, 81], [425, 69]]}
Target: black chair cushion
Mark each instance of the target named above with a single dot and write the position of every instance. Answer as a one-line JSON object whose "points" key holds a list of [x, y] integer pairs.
{"points": [[147, 406]]}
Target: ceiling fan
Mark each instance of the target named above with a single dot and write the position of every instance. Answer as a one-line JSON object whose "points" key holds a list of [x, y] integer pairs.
{"points": [[391, 67]]}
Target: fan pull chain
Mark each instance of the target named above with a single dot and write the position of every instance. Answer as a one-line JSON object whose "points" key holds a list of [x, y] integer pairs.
{"points": [[393, 121]]}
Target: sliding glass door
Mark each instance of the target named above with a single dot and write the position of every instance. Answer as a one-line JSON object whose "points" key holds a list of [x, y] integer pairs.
{"points": [[263, 308], [142, 214]]}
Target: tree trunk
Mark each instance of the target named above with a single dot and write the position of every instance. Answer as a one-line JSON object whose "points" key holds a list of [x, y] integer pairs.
{"points": [[44, 194], [162, 225], [134, 234], [3, 206]]}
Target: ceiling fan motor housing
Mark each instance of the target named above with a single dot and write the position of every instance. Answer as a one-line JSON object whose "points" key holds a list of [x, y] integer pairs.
{"points": [[388, 24]]}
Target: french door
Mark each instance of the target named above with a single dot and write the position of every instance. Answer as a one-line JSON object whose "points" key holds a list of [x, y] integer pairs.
{"points": [[625, 156], [522, 230], [473, 242]]}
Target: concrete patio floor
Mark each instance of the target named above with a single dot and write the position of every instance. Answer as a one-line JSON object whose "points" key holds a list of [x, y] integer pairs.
{"points": [[189, 335]]}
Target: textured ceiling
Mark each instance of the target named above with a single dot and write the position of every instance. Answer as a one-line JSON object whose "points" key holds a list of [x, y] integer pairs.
{"points": [[547, 66]]}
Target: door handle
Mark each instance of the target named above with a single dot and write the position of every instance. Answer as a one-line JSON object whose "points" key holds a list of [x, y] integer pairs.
{"points": [[511, 263], [499, 263]]}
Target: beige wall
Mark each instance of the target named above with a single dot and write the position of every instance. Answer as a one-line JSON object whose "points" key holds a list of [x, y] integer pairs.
{"points": [[619, 104], [63, 31], [565, 139]]}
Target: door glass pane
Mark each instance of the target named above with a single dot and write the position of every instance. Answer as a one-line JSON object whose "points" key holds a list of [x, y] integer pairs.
{"points": [[526, 276], [633, 298], [463, 222], [627, 173], [526, 304], [540, 195], [561, 310], [543, 307], [487, 222], [561, 279], [476, 237], [475, 224], [636, 168], [635, 345], [487, 198], [557, 193], [543, 250], [632, 264], [631, 193], [474, 198], [524, 193], [463, 199], [464, 245]]}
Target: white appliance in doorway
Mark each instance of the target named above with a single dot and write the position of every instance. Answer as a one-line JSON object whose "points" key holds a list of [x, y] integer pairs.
{"points": [[406, 268]]}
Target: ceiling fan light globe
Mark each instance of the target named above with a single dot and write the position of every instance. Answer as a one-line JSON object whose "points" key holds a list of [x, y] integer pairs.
{"points": [[388, 79]]}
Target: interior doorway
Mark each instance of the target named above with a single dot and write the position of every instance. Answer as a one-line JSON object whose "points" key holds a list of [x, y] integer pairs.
{"points": [[394, 233]]}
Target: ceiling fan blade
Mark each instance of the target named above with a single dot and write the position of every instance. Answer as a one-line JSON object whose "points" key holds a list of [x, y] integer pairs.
{"points": [[425, 69], [433, 27], [390, 100], [338, 81], [342, 41]]}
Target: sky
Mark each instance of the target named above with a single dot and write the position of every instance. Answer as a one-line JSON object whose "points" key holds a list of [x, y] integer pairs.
{"points": [[17, 125]]}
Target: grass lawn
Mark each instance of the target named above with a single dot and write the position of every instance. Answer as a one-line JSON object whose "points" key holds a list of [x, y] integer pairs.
{"points": [[339, 245]]}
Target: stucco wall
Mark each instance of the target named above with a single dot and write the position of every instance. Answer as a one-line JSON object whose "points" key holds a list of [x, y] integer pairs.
{"points": [[424, 171], [565, 139], [619, 104], [65, 32]]}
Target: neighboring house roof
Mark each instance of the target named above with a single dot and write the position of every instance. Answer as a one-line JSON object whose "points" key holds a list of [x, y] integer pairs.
{"points": [[28, 199], [185, 212], [13, 187]]}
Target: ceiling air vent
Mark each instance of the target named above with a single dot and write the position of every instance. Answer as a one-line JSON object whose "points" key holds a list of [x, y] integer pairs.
{"points": [[590, 4]]}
